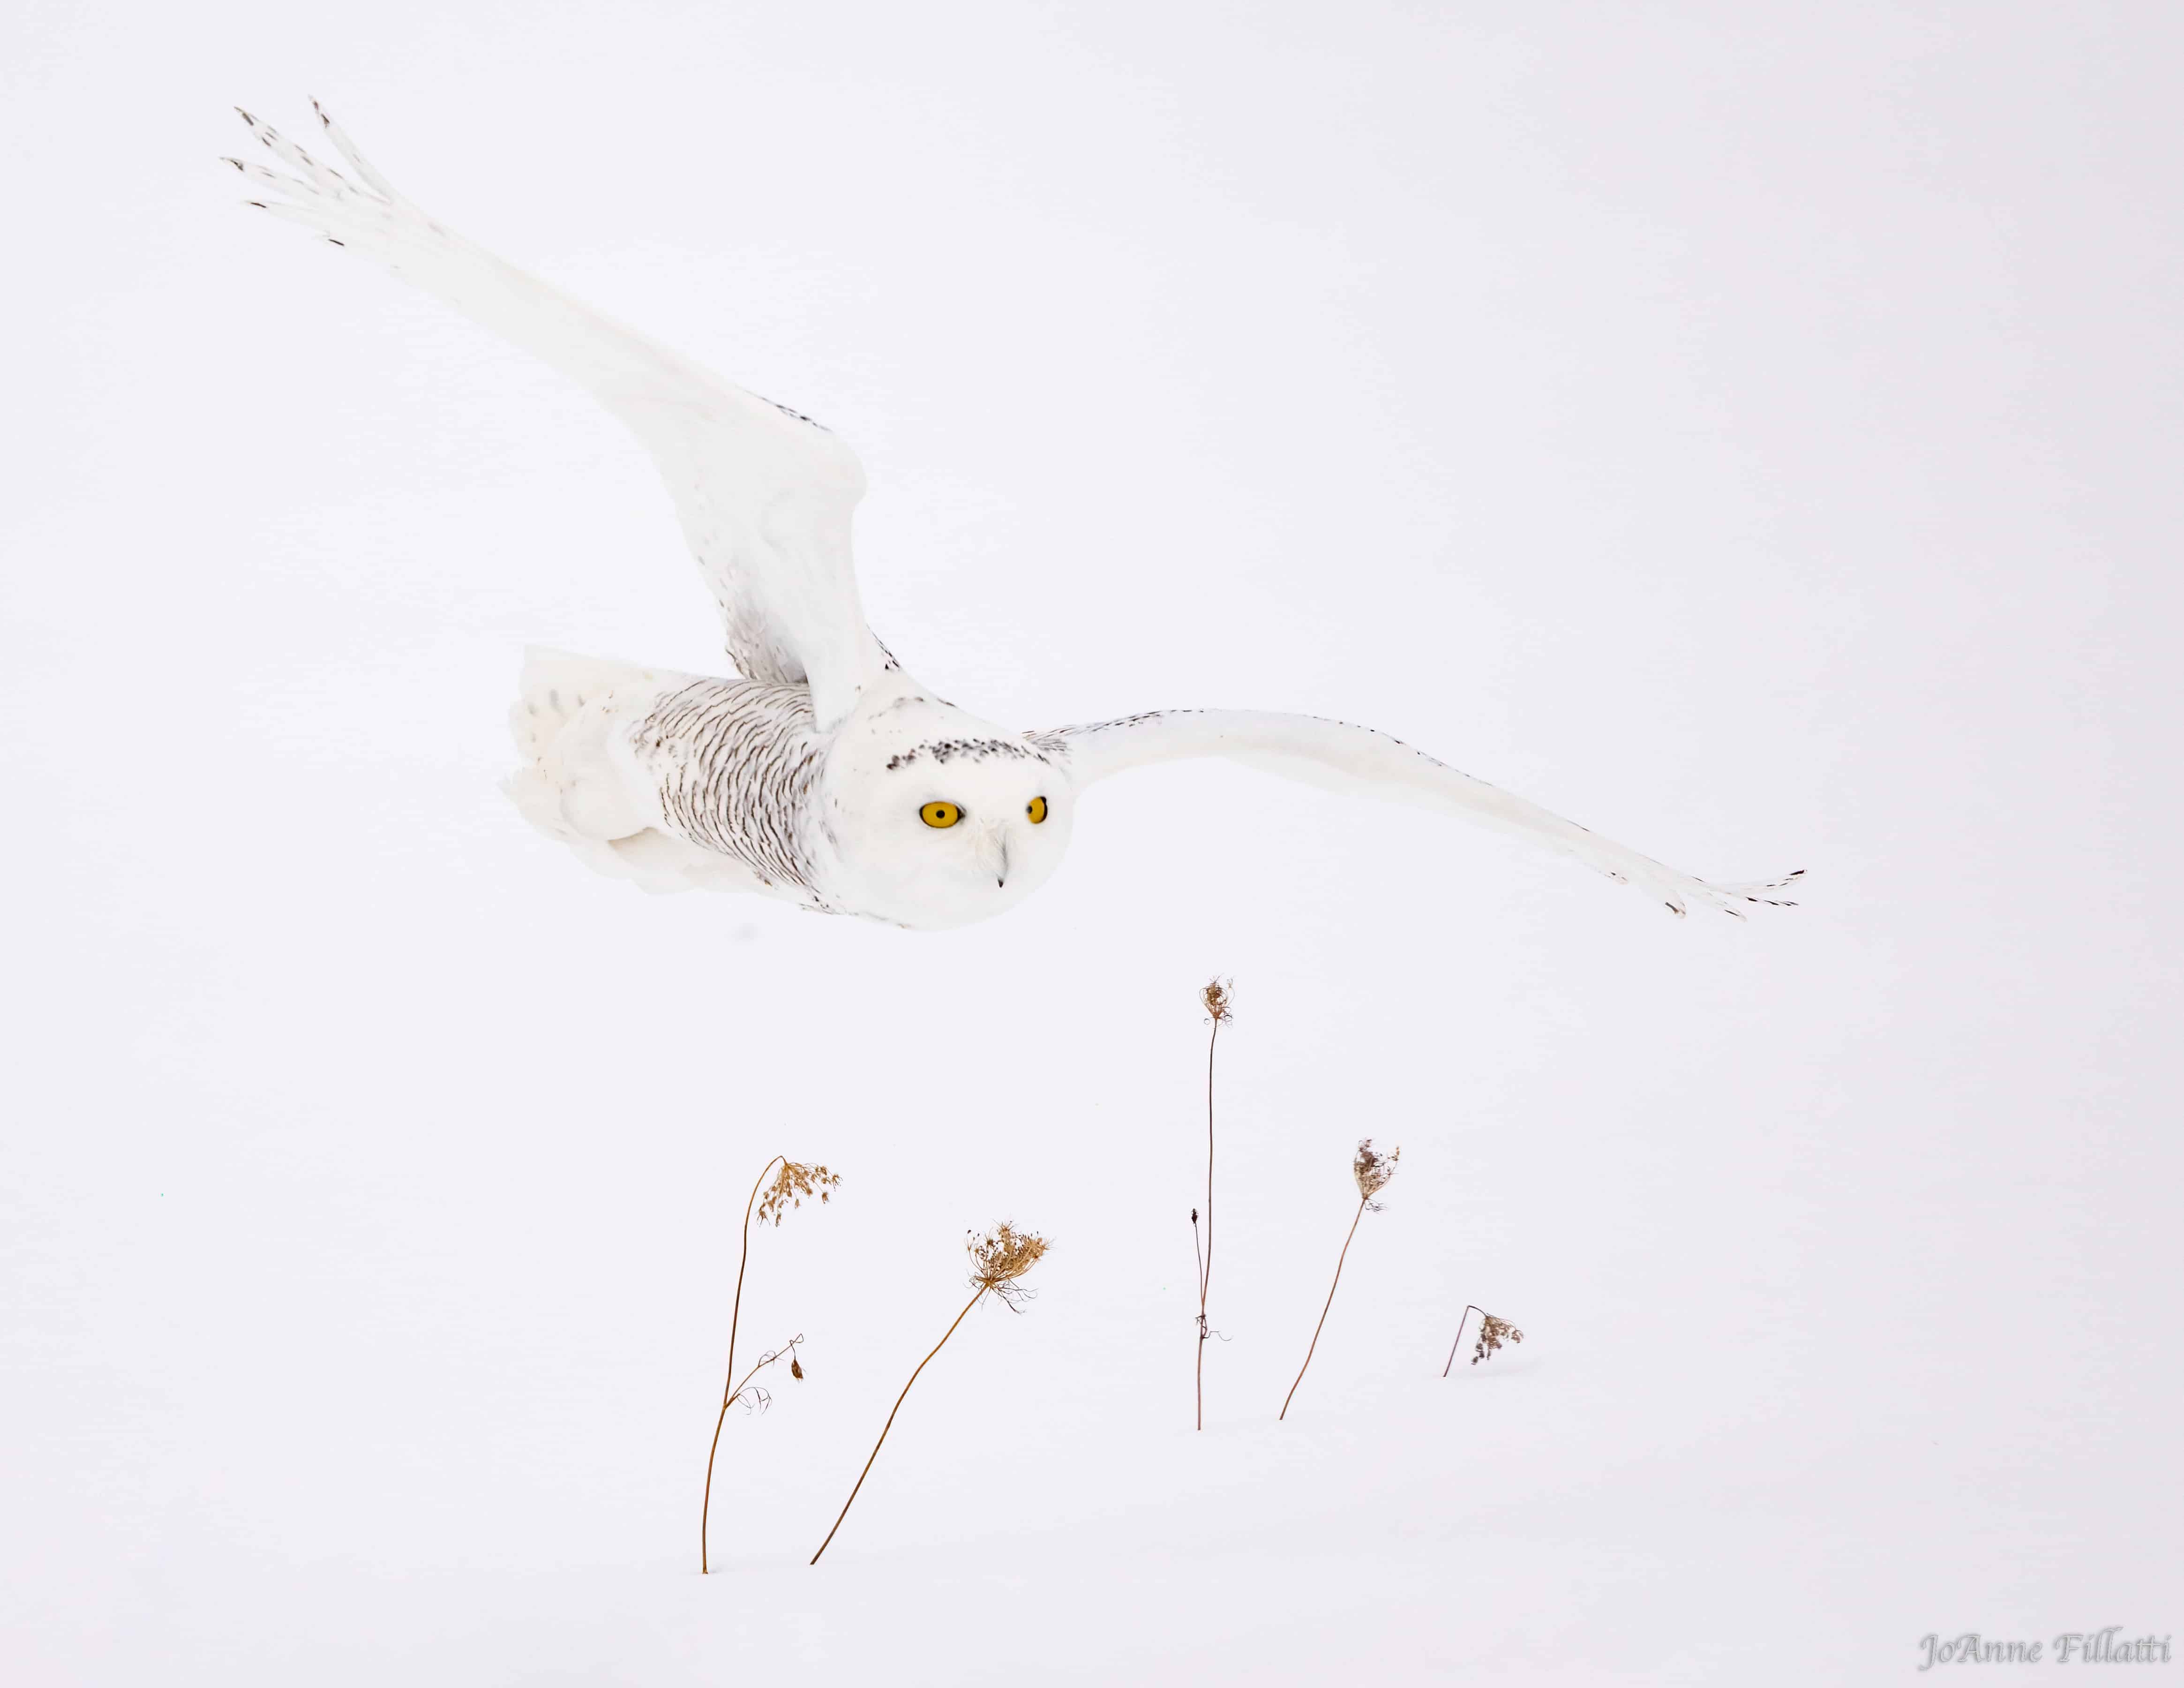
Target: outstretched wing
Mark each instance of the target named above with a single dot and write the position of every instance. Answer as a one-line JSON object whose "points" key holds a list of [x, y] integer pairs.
{"points": [[1342, 757], [765, 494]]}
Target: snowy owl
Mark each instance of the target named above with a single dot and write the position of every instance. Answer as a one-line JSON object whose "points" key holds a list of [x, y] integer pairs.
{"points": [[823, 774]]}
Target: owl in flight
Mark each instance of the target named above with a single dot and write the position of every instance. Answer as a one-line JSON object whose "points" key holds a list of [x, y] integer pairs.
{"points": [[824, 775]]}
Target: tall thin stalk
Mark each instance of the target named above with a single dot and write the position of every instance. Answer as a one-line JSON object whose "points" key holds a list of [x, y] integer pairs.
{"points": [[1322, 1325], [728, 1391], [889, 1425], [794, 1183], [1215, 996]]}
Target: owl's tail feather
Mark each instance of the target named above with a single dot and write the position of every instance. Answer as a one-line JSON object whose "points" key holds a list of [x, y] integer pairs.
{"points": [[580, 783], [557, 686]]}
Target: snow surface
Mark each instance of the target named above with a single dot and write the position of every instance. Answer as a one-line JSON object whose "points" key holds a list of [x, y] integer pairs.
{"points": [[1751, 432]]}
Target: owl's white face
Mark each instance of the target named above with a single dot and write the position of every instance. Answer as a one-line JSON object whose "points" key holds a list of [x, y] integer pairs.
{"points": [[941, 819]]}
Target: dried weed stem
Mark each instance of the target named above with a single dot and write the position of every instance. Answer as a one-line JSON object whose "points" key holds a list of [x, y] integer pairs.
{"points": [[1372, 1171], [794, 1182], [1216, 996], [1493, 1331], [998, 1259]]}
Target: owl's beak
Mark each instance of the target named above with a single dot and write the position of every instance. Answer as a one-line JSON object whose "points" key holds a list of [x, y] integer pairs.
{"points": [[993, 851]]}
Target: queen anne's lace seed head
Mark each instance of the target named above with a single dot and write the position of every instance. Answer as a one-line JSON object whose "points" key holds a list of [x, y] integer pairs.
{"points": [[1373, 1169], [1002, 1257], [794, 1182], [1217, 996], [1492, 1335]]}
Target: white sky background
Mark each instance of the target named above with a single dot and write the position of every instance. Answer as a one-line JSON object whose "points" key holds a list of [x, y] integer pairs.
{"points": [[1751, 431]]}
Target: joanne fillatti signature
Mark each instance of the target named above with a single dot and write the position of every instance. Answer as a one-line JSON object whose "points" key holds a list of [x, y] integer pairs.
{"points": [[2072, 1647]]}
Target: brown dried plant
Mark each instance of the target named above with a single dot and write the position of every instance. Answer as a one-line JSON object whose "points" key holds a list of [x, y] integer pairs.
{"points": [[1002, 1257], [791, 1185], [999, 1261], [1372, 1171], [1217, 996], [794, 1182], [1493, 1331]]}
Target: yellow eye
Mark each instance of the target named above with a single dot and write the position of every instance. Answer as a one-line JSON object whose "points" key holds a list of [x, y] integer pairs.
{"points": [[940, 814], [1036, 808]]}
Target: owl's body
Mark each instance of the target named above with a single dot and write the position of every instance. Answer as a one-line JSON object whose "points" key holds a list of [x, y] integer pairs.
{"points": [[602, 775], [683, 782], [825, 775]]}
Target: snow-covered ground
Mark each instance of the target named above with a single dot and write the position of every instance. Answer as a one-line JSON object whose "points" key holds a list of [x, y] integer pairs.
{"points": [[1750, 432]]}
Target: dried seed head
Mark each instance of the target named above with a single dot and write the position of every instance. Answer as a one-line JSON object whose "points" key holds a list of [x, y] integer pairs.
{"points": [[796, 1368], [1003, 1255], [1217, 998], [1373, 1169], [794, 1182], [1491, 1335]]}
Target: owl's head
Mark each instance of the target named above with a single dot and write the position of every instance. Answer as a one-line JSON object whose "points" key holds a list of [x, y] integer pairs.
{"points": [[942, 818]]}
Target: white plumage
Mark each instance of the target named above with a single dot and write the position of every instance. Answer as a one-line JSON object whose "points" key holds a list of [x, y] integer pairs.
{"points": [[824, 774]]}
